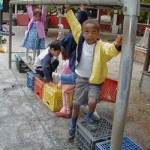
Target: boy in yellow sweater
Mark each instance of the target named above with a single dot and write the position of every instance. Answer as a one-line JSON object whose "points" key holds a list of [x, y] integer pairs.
{"points": [[91, 69]]}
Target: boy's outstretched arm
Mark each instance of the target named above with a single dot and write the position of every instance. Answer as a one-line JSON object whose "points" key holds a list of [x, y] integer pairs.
{"points": [[73, 22], [111, 50]]}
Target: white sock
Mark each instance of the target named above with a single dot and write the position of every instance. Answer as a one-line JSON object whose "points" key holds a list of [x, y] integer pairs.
{"points": [[34, 55], [38, 52]]}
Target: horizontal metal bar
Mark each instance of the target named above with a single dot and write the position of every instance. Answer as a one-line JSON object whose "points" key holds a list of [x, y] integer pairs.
{"points": [[59, 2], [20, 52]]}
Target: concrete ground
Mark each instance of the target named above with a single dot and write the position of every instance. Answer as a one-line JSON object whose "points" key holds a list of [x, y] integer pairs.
{"points": [[27, 124]]}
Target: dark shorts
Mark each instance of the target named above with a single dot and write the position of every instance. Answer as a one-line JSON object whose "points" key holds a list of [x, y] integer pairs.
{"points": [[84, 90]]}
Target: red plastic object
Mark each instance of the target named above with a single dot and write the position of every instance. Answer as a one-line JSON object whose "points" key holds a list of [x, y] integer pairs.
{"points": [[109, 90], [38, 88], [22, 19]]}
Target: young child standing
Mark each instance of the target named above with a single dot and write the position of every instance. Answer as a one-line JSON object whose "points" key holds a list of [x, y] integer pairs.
{"points": [[35, 35], [47, 61], [65, 110], [91, 68]]}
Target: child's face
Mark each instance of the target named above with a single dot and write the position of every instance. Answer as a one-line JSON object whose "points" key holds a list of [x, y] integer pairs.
{"points": [[37, 17], [90, 33], [55, 53]]}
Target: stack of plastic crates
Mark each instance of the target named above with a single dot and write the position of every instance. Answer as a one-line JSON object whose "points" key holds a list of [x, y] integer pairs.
{"points": [[38, 88], [86, 139], [109, 90], [30, 80], [127, 144], [20, 65], [52, 97]]}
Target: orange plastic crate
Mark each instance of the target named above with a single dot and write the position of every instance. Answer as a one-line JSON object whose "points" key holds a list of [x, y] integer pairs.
{"points": [[38, 88], [52, 97], [109, 90]]}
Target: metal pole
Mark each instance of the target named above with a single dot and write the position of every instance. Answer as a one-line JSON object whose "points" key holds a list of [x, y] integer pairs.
{"points": [[60, 25], [129, 35], [10, 35], [15, 9], [130, 24], [1, 15], [59, 2]]}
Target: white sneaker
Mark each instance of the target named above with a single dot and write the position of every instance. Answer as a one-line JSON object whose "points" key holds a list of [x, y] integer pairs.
{"points": [[56, 77], [28, 61]]}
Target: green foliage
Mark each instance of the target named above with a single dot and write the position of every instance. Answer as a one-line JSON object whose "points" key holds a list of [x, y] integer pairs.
{"points": [[145, 1], [144, 112], [51, 9], [74, 9], [144, 15]]}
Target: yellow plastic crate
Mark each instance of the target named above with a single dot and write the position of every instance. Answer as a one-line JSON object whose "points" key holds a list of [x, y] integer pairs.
{"points": [[52, 97]]}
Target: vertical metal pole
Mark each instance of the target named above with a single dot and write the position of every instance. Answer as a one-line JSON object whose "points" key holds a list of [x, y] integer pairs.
{"points": [[60, 25], [10, 35], [1, 15], [15, 9], [129, 35], [1, 19]]}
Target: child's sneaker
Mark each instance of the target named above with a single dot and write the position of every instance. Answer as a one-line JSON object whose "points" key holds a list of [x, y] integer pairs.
{"points": [[56, 77], [92, 126], [71, 135], [29, 60], [61, 114]]}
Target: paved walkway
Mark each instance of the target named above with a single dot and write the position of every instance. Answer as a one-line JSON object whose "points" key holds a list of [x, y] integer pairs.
{"points": [[26, 123]]}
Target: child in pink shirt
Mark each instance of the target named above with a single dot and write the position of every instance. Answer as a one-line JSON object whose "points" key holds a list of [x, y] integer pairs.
{"points": [[35, 34], [65, 111]]}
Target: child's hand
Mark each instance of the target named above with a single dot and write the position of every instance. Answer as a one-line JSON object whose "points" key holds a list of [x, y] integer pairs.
{"points": [[68, 7], [58, 86], [118, 42]]}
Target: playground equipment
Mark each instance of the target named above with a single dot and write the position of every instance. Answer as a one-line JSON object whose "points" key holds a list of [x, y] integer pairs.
{"points": [[60, 25], [1, 18], [131, 12], [145, 79], [3, 48], [143, 43], [3, 30]]}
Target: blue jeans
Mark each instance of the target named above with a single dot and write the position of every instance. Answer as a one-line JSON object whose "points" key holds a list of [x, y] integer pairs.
{"points": [[68, 78]]}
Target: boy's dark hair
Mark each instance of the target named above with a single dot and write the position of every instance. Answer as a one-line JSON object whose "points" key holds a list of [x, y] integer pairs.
{"points": [[36, 12], [55, 45], [91, 21]]}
